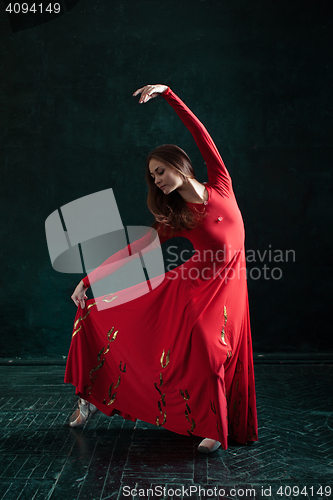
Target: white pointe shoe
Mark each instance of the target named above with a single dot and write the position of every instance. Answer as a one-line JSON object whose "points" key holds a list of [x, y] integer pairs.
{"points": [[208, 445], [83, 413]]}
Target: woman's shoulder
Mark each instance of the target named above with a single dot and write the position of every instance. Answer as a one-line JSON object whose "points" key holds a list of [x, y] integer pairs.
{"points": [[216, 190]]}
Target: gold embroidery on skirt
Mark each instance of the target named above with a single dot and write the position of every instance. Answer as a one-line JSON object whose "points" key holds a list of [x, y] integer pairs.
{"points": [[112, 397], [111, 339], [225, 324], [190, 431], [101, 353], [112, 400], [167, 359], [122, 369], [108, 300], [117, 384], [185, 395], [92, 371], [113, 336], [162, 396], [155, 385], [225, 315], [75, 331], [81, 319], [90, 305], [158, 423]]}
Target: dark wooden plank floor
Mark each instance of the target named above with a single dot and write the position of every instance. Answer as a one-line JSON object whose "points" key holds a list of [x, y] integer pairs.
{"points": [[42, 458]]}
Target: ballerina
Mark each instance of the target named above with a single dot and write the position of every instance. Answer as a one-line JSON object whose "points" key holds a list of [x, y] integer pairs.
{"points": [[186, 345]]}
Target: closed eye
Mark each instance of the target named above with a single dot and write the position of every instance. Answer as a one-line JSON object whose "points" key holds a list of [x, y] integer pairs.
{"points": [[159, 173]]}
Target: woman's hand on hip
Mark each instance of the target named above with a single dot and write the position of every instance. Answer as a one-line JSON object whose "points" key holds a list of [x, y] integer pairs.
{"points": [[150, 91], [79, 295]]}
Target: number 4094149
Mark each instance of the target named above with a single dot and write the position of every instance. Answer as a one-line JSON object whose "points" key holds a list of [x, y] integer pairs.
{"points": [[24, 8], [309, 491]]}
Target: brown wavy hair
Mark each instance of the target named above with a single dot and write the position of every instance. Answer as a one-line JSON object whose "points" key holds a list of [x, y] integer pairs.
{"points": [[171, 211]]}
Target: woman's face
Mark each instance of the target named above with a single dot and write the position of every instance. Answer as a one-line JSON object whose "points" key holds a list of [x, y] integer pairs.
{"points": [[166, 178]]}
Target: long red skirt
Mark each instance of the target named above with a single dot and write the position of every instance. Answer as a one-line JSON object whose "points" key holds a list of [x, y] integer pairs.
{"points": [[172, 358]]}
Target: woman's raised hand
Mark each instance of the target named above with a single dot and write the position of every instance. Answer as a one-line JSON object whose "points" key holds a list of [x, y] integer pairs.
{"points": [[150, 91], [79, 295]]}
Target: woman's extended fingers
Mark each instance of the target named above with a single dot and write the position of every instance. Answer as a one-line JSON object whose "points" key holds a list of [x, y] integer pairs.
{"points": [[144, 91], [138, 91], [149, 92]]}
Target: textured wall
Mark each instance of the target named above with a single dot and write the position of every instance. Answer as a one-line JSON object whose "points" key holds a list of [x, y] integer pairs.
{"points": [[256, 73]]}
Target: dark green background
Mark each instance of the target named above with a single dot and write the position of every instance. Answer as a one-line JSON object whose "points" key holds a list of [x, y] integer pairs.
{"points": [[258, 74]]}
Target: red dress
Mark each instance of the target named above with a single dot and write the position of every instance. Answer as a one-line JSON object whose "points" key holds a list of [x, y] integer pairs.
{"points": [[179, 356]]}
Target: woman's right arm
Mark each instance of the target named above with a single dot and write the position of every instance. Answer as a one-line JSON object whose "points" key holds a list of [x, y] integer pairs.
{"points": [[113, 263]]}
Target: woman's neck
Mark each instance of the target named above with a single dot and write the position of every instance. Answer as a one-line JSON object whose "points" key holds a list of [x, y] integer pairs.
{"points": [[193, 191]]}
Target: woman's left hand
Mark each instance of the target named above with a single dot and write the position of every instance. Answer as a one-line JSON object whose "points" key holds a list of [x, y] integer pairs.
{"points": [[79, 296], [149, 92]]}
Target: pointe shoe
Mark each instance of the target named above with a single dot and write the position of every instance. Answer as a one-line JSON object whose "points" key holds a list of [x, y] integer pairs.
{"points": [[83, 413], [208, 445]]}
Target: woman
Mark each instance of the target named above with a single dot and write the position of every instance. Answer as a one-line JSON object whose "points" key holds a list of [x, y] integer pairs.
{"points": [[186, 345]]}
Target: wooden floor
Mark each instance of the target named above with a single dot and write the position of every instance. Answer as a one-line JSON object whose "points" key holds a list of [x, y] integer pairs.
{"points": [[41, 457]]}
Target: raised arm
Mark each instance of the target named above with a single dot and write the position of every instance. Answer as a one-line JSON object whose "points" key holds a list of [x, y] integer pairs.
{"points": [[217, 173]]}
